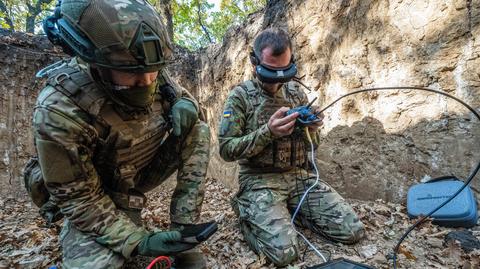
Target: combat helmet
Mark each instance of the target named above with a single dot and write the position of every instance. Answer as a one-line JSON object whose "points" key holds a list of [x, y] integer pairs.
{"points": [[127, 35]]}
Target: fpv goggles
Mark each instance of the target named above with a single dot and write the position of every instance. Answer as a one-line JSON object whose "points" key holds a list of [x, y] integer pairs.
{"points": [[270, 74]]}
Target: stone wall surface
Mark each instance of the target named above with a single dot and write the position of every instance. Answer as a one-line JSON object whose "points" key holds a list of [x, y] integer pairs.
{"points": [[374, 145], [21, 56]]}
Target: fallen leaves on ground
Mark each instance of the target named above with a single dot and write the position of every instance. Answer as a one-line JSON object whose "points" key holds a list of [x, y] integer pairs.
{"points": [[25, 242]]}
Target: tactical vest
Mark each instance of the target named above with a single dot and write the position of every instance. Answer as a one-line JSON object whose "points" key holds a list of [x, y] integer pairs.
{"points": [[283, 153], [126, 142]]}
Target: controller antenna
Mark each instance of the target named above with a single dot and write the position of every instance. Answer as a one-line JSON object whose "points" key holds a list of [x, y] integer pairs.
{"points": [[311, 103]]}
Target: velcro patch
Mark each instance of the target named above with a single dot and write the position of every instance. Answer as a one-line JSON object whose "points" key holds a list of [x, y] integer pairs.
{"points": [[227, 113]]}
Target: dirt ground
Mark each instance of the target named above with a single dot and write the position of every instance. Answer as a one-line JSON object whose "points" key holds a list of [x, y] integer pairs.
{"points": [[25, 242]]}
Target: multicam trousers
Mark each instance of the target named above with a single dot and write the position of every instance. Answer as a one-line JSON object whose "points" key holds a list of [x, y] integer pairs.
{"points": [[265, 204], [188, 155]]}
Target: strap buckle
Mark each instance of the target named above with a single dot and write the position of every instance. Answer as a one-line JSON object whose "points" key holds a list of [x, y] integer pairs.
{"points": [[61, 77]]}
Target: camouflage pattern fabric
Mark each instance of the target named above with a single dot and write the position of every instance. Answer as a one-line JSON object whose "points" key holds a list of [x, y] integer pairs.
{"points": [[81, 250], [67, 143], [265, 204], [188, 156], [185, 207], [267, 198], [244, 134]]}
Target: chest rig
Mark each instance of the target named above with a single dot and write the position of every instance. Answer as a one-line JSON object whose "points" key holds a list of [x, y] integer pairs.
{"points": [[126, 142], [283, 153]]}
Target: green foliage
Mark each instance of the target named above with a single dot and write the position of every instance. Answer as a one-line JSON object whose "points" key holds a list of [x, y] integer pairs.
{"points": [[195, 22], [196, 25], [18, 12], [188, 18], [3, 22]]}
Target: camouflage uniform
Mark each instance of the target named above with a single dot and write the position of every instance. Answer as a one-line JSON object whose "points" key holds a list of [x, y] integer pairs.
{"points": [[274, 175], [100, 145], [98, 161]]}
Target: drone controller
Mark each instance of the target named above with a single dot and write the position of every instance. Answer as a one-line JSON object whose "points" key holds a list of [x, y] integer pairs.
{"points": [[307, 116]]}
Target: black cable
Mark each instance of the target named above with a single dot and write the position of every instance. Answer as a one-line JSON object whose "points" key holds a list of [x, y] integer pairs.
{"points": [[470, 177]]}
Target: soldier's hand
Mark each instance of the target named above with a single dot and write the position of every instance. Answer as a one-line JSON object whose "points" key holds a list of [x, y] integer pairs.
{"points": [[281, 125], [184, 116], [162, 243]]}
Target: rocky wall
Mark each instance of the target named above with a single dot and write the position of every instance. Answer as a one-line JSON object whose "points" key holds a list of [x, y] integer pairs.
{"points": [[374, 145], [21, 56]]}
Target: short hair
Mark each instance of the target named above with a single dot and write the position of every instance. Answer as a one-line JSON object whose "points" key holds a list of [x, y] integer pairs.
{"points": [[275, 38]]}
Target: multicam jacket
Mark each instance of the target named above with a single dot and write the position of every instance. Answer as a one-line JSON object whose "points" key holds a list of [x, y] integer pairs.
{"points": [[245, 136], [87, 146]]}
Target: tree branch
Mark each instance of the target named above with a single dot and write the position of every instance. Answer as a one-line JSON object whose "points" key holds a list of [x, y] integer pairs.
{"points": [[33, 12], [205, 30]]}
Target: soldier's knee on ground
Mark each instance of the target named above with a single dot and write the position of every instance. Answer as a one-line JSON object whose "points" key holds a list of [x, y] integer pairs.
{"points": [[281, 249], [281, 255]]}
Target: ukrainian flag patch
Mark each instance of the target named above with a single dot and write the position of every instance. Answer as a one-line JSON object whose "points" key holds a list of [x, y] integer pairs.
{"points": [[227, 113]]}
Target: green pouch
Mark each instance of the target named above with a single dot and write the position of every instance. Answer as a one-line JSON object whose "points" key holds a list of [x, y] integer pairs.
{"points": [[34, 184], [33, 179]]}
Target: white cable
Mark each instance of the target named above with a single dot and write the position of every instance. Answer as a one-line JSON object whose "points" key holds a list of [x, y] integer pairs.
{"points": [[301, 202]]}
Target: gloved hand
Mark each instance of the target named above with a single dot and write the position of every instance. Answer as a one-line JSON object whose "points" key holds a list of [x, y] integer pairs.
{"points": [[162, 243], [184, 116]]}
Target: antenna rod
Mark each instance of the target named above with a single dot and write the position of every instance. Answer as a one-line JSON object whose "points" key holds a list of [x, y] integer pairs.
{"points": [[311, 103]]}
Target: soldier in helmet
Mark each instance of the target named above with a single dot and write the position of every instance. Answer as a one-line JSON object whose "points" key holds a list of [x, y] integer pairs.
{"points": [[109, 126], [272, 154]]}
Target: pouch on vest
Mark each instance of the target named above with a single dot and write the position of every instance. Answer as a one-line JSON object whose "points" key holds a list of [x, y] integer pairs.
{"points": [[34, 184]]}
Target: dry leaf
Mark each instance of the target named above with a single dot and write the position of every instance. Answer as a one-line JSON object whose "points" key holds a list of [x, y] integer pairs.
{"points": [[407, 253]]}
